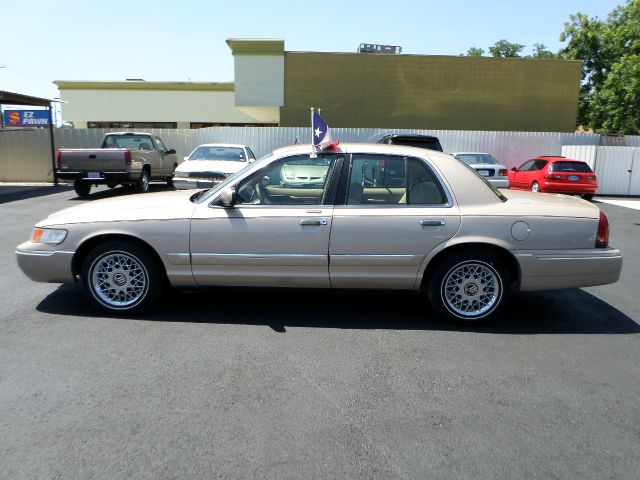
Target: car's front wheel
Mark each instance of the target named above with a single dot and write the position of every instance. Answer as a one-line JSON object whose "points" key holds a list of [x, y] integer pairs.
{"points": [[469, 288], [535, 187], [122, 277]]}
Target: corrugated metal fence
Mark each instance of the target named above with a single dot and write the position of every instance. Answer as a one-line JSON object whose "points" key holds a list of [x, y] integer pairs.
{"points": [[25, 155]]}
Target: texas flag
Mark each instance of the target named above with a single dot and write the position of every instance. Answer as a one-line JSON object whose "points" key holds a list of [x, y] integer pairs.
{"points": [[321, 132]]}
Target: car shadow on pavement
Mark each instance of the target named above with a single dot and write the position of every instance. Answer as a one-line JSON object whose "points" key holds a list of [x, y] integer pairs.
{"points": [[10, 193], [105, 192], [571, 311]]}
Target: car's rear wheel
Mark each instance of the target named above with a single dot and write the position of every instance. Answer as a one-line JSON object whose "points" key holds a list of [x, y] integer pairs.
{"points": [[535, 187], [82, 188], [122, 277], [469, 287], [587, 196], [142, 186]]}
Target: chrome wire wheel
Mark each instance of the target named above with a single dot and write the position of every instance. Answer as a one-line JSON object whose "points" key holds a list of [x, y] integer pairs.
{"points": [[471, 289], [119, 280]]}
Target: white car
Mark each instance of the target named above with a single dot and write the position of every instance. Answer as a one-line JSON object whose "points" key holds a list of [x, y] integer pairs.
{"points": [[211, 163], [487, 166]]}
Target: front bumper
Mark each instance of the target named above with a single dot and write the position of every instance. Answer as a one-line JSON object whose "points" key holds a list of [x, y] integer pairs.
{"points": [[42, 263], [552, 269], [189, 183]]}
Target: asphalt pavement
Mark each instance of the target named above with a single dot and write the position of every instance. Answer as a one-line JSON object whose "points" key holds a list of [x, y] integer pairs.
{"points": [[235, 383]]}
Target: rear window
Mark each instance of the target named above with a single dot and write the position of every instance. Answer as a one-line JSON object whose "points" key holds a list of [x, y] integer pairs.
{"points": [[231, 154], [581, 167], [477, 158], [428, 143], [132, 142]]}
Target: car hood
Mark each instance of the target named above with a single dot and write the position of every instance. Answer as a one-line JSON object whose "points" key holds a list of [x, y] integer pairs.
{"points": [[148, 206], [547, 204], [224, 166]]}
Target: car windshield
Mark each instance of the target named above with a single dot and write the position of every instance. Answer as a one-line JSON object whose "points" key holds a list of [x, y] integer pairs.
{"points": [[477, 158], [203, 195], [581, 167], [231, 154]]}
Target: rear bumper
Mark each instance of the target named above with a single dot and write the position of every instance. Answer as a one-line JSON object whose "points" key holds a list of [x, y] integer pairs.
{"points": [[41, 264], [104, 177], [569, 188], [552, 269], [499, 182]]}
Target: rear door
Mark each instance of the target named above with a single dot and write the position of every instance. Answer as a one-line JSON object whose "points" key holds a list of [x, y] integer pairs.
{"points": [[393, 211]]}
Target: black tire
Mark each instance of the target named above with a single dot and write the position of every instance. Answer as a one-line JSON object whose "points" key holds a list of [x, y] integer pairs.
{"points": [[535, 187], [112, 185], [121, 277], [170, 177], [142, 185], [469, 287], [82, 188], [587, 196]]}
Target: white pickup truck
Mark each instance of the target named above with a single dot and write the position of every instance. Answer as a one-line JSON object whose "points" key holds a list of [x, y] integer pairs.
{"points": [[127, 158]]}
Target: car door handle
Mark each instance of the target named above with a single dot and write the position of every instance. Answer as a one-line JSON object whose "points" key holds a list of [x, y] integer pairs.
{"points": [[433, 223], [313, 221]]}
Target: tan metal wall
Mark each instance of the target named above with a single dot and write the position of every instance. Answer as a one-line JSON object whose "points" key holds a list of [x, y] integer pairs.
{"points": [[443, 92], [25, 156]]}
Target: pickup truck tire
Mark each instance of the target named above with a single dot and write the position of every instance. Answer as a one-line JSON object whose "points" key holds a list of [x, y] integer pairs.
{"points": [[82, 188], [142, 186]]}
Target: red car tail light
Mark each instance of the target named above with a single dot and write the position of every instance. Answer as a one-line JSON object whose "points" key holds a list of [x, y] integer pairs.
{"points": [[58, 159], [592, 179], [552, 177], [503, 172], [127, 157], [602, 237]]}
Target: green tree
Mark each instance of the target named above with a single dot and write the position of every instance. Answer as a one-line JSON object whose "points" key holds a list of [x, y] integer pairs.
{"points": [[610, 52], [504, 48], [540, 51], [475, 52]]}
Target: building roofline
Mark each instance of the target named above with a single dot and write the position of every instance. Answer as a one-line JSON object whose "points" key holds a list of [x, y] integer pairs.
{"points": [[256, 46], [143, 85]]}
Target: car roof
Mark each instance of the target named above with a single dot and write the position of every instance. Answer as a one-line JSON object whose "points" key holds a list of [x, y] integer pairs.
{"points": [[225, 145], [471, 153], [368, 148], [554, 158]]}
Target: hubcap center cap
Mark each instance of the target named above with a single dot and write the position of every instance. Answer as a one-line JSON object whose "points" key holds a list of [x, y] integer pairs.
{"points": [[471, 289], [119, 279]]}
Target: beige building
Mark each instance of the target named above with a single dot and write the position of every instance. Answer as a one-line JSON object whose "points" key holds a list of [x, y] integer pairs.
{"points": [[276, 87]]}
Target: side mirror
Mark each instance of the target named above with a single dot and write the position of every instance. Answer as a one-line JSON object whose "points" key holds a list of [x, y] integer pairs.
{"points": [[514, 169], [171, 151], [251, 160], [228, 197], [186, 158]]}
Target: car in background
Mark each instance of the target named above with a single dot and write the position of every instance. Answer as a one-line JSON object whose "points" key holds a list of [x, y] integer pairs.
{"points": [[411, 140], [434, 225], [487, 166], [211, 163], [554, 174]]}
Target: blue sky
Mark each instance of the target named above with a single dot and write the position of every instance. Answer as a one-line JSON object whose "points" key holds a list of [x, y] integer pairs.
{"points": [[45, 40]]}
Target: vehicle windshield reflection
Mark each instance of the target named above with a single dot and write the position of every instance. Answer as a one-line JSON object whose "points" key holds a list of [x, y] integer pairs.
{"points": [[206, 194]]}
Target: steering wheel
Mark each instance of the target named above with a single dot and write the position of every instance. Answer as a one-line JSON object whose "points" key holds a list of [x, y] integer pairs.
{"points": [[262, 194]]}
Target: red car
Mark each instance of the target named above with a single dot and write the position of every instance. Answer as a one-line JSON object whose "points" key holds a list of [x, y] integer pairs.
{"points": [[555, 175]]}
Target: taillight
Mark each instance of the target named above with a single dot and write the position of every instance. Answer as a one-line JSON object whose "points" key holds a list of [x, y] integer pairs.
{"points": [[503, 172], [602, 238], [127, 157], [59, 159], [591, 179], [553, 177]]}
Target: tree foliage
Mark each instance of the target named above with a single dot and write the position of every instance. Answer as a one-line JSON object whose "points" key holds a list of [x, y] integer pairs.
{"points": [[540, 51], [610, 52], [475, 52], [504, 48]]}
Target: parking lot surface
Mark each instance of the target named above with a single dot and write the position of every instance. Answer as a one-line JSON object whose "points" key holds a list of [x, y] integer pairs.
{"points": [[236, 383]]}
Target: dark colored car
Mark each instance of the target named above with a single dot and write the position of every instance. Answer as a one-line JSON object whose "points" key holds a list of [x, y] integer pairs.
{"points": [[555, 175], [412, 140]]}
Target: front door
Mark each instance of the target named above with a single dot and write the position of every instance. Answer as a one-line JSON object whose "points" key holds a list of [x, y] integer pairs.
{"points": [[276, 235]]}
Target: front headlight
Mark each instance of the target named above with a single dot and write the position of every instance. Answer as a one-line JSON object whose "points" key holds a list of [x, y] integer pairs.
{"points": [[177, 174], [49, 236]]}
